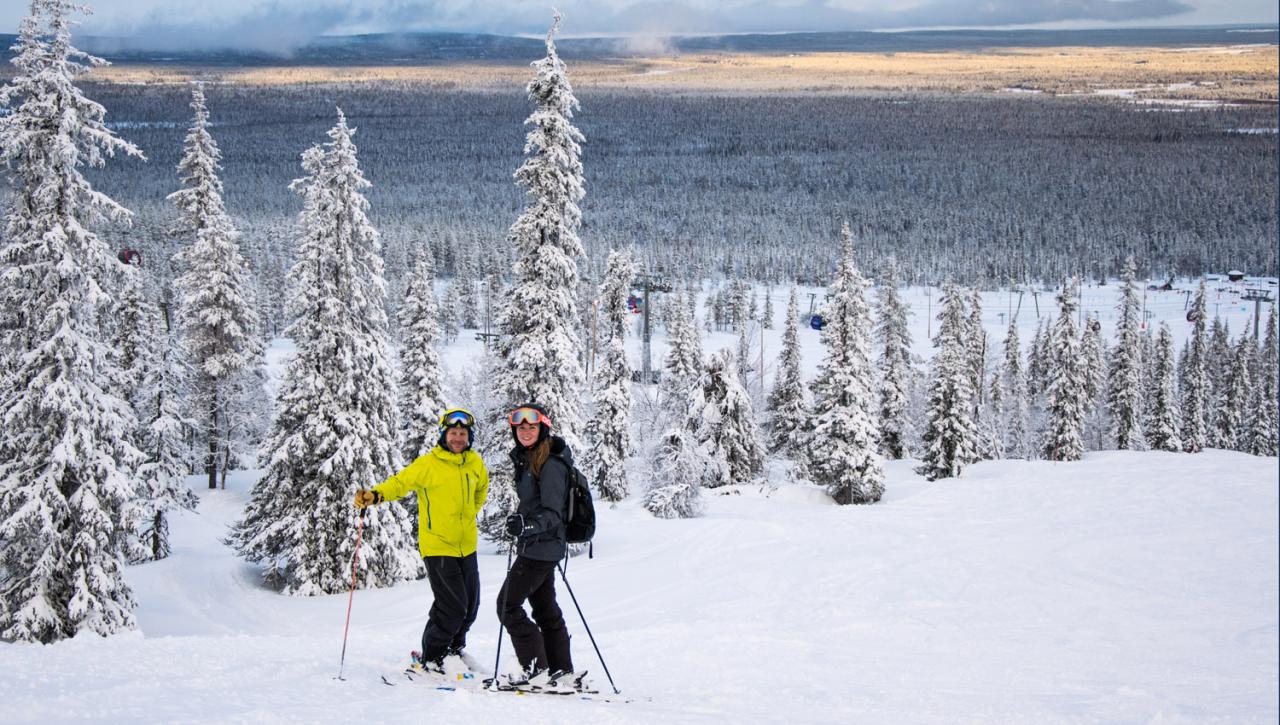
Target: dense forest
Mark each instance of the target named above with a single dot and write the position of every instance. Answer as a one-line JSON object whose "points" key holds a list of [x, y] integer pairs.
{"points": [[752, 187]]}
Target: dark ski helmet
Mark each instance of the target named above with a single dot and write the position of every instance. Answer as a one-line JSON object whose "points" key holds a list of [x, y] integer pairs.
{"points": [[453, 418]]}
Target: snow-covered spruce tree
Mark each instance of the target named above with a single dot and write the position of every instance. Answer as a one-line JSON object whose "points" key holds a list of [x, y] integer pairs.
{"points": [[712, 311], [1163, 418], [449, 315], [727, 429], [1229, 423], [1124, 374], [470, 308], [539, 316], [950, 436], [162, 436], [841, 444], [421, 390], [1066, 397], [609, 431], [1218, 360], [682, 365], [788, 410], [976, 337], [991, 432], [335, 428], [1194, 400], [66, 459], [743, 361], [1263, 432], [1017, 442], [131, 325], [766, 317], [588, 319], [895, 367], [217, 310], [134, 327], [1038, 359], [1093, 356], [678, 465]]}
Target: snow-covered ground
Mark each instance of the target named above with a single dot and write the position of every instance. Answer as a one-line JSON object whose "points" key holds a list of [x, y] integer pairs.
{"points": [[1128, 587]]}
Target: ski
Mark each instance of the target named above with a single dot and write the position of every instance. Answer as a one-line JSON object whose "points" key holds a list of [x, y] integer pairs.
{"points": [[586, 695]]}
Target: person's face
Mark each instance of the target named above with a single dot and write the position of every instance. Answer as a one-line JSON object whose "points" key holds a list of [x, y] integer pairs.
{"points": [[455, 439], [527, 434]]}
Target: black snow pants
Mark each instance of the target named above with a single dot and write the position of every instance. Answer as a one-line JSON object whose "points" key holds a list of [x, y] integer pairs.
{"points": [[544, 641], [455, 587]]}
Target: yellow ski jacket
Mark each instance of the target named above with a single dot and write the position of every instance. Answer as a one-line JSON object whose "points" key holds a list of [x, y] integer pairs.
{"points": [[451, 489]]}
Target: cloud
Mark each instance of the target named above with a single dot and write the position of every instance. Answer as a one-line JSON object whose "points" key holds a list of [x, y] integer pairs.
{"points": [[274, 28], [281, 26]]}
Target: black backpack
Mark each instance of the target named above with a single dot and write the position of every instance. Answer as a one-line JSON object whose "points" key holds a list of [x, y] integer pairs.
{"points": [[580, 512]]}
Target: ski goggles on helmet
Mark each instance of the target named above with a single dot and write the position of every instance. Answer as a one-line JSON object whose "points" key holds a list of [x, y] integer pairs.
{"points": [[457, 417], [528, 415]]}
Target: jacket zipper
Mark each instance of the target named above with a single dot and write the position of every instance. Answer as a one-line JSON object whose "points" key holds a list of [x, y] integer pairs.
{"points": [[466, 487]]}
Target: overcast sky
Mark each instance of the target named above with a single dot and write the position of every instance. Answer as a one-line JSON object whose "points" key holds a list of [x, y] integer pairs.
{"points": [[264, 23]]}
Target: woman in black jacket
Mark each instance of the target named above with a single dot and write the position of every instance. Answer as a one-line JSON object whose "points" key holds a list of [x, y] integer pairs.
{"points": [[542, 463]]}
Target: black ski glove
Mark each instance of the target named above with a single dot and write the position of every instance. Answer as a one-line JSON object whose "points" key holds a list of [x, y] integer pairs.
{"points": [[517, 527]]}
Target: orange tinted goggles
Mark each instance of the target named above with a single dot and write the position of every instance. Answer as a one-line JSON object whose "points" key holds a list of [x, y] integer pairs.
{"points": [[528, 415]]}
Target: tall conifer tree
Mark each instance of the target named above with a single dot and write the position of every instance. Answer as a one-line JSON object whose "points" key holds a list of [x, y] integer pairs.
{"points": [[1263, 431], [1218, 360], [1235, 396], [679, 463], [542, 352], [1194, 392], [335, 429], [843, 440], [66, 459], [950, 437], [163, 435], [727, 427], [539, 316], [609, 431], [1067, 394], [421, 389], [895, 367], [1163, 418], [217, 307], [1093, 356], [1016, 423], [1124, 375], [787, 407]]}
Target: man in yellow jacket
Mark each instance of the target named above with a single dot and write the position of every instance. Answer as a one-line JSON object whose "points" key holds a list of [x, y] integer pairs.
{"points": [[452, 484]]}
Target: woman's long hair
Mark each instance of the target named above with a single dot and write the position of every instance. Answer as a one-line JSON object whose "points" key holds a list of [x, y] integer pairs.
{"points": [[538, 455]]}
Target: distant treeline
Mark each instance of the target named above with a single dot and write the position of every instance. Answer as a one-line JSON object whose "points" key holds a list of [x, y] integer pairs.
{"points": [[410, 48], [981, 190]]}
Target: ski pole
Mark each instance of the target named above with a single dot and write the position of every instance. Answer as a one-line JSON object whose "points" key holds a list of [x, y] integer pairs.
{"points": [[587, 627], [355, 559], [493, 684]]}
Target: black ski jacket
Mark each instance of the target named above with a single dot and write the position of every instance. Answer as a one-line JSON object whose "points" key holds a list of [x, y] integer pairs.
{"points": [[543, 501]]}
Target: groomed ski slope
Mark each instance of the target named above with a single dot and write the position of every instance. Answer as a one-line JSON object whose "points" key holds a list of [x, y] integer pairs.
{"points": [[1129, 587]]}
